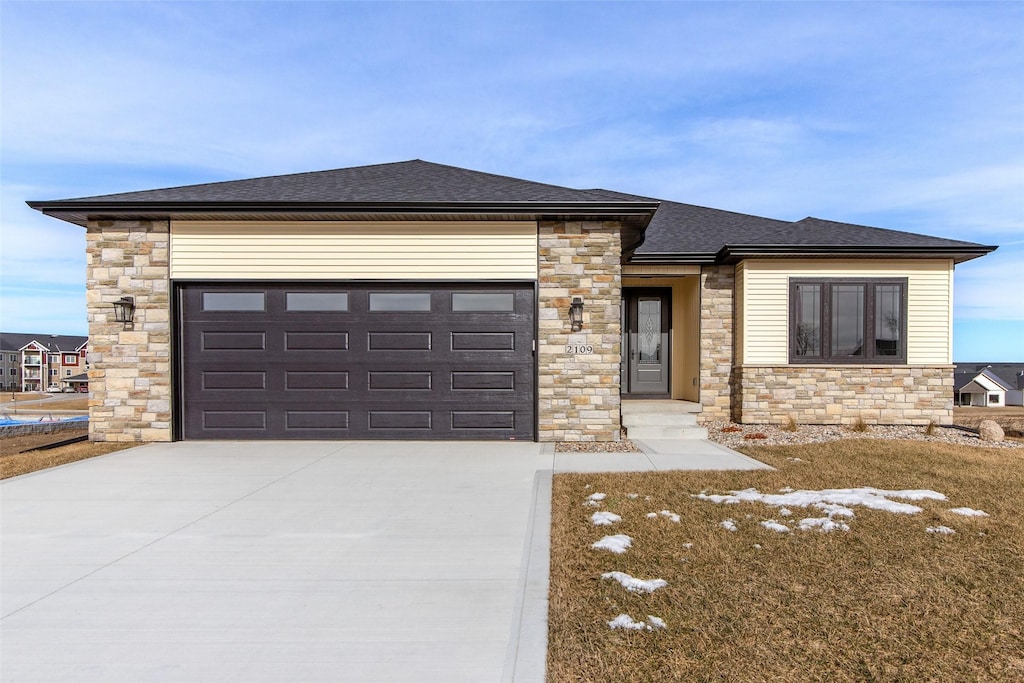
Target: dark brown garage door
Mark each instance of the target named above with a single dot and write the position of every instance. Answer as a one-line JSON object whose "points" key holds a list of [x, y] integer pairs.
{"points": [[356, 361]]}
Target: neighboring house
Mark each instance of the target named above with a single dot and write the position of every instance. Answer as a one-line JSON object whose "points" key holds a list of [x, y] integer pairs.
{"points": [[78, 383], [988, 386], [37, 362], [416, 300]]}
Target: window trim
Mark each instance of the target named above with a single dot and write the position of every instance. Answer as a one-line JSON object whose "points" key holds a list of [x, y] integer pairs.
{"points": [[825, 322]]}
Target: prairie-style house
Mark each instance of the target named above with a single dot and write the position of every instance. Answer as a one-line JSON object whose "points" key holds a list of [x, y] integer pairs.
{"points": [[415, 300]]}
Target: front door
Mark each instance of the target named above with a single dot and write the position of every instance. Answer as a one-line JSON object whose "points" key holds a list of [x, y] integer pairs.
{"points": [[646, 341]]}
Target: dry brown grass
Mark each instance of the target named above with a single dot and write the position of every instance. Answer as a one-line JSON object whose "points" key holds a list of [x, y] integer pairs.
{"points": [[883, 601], [1011, 419], [13, 463], [80, 403]]}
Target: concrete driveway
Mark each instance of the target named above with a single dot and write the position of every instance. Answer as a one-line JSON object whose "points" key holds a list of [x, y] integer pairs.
{"points": [[354, 561], [287, 561]]}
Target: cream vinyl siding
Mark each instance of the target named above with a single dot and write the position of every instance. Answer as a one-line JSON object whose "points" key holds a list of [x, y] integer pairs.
{"points": [[763, 305], [340, 250]]}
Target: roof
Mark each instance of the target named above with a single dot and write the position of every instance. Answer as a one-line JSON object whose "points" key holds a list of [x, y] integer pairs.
{"points": [[675, 232], [962, 378], [1010, 375], [57, 343], [714, 235]]}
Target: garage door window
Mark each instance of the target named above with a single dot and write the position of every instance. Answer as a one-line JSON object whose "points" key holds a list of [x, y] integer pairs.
{"points": [[399, 301], [497, 302], [234, 301], [316, 301]]}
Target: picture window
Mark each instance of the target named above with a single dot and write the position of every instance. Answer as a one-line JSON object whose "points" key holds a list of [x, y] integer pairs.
{"points": [[845, 320]]}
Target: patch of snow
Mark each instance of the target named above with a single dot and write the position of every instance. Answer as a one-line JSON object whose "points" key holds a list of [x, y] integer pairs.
{"points": [[656, 622], [968, 512], [772, 525], [604, 518], [671, 515], [939, 530], [794, 459], [594, 499], [758, 545], [728, 525], [785, 512], [652, 515], [822, 524], [625, 621], [634, 585], [619, 543], [872, 498], [632, 496], [687, 545], [834, 510], [784, 489]]}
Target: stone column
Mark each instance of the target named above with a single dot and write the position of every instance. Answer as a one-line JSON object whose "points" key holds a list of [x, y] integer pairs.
{"points": [[129, 370], [578, 391], [717, 286]]}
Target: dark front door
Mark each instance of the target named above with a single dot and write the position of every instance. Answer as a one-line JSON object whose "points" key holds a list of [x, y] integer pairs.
{"points": [[356, 361], [646, 341]]}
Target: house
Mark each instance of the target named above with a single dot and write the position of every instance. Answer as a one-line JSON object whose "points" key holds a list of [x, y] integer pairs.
{"points": [[36, 362], [983, 387], [422, 301]]}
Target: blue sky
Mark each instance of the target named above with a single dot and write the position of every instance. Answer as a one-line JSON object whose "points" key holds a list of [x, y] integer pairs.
{"points": [[899, 115]]}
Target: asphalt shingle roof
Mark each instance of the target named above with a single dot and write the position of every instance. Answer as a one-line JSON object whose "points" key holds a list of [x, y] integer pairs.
{"points": [[58, 343], [403, 181], [676, 229]]}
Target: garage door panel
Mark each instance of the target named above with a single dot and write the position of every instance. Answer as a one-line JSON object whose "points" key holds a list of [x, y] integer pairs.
{"points": [[293, 372], [316, 340], [316, 419]]}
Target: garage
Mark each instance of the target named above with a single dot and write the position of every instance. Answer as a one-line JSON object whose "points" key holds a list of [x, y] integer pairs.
{"points": [[356, 360]]}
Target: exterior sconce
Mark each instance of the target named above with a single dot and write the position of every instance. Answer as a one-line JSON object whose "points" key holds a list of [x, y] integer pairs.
{"points": [[124, 311], [576, 313]]}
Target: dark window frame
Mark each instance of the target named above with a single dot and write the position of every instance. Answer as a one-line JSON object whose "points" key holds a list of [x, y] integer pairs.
{"points": [[825, 321]]}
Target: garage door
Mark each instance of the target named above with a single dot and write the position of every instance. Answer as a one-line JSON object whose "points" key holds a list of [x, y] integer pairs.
{"points": [[356, 361]]}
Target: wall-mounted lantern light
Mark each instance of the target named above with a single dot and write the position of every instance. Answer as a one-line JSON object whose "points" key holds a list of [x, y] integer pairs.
{"points": [[124, 311], [576, 313]]}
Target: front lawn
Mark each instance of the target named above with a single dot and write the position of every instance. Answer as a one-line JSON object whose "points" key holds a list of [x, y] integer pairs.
{"points": [[885, 599]]}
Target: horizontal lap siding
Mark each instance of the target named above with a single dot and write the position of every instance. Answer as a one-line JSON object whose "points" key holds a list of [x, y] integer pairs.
{"points": [[764, 316], [333, 250]]}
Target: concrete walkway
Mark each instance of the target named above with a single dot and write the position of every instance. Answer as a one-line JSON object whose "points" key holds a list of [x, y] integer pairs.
{"points": [[289, 561]]}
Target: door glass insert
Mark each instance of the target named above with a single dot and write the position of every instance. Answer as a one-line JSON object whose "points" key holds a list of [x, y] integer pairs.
{"points": [[399, 301], [234, 301], [498, 302], [649, 332], [316, 301]]}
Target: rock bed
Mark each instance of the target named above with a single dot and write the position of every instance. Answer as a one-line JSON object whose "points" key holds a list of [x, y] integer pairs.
{"points": [[624, 446], [775, 435]]}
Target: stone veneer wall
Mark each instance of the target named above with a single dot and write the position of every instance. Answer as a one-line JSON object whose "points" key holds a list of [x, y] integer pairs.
{"points": [[716, 342], [841, 394], [578, 395], [129, 370]]}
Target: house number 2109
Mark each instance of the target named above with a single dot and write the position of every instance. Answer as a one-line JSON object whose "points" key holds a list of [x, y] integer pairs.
{"points": [[579, 348]]}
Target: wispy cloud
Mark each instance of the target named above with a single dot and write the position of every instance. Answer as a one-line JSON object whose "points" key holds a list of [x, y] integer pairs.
{"points": [[900, 115]]}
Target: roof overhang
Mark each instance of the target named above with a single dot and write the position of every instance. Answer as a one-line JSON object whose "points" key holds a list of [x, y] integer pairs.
{"points": [[732, 254], [81, 212], [735, 253]]}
